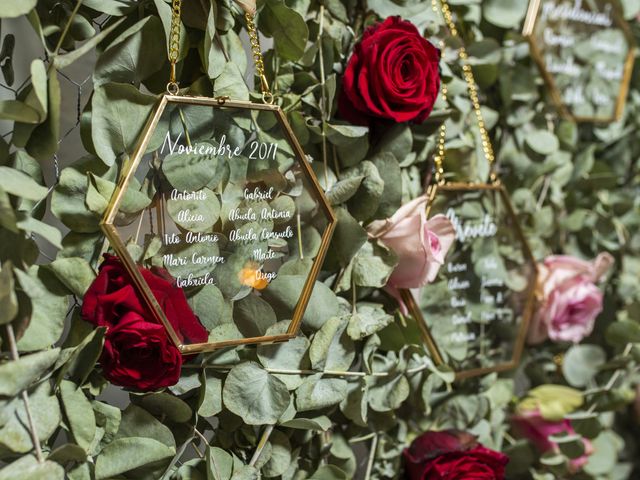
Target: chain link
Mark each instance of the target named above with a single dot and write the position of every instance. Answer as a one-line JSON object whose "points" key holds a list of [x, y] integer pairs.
{"points": [[174, 51], [258, 60], [467, 72], [174, 45]]}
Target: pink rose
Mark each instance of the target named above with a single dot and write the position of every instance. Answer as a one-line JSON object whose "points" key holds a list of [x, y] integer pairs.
{"points": [[569, 299], [535, 428], [420, 244]]}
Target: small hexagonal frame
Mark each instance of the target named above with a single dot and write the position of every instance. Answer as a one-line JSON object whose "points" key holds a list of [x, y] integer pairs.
{"points": [[109, 227], [530, 29], [522, 300]]}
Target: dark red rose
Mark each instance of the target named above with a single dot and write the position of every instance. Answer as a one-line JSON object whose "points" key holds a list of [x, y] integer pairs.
{"points": [[112, 295], [452, 455], [393, 74], [139, 354]]}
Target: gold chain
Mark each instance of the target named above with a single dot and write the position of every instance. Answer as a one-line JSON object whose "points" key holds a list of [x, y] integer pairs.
{"points": [[487, 148], [174, 51], [258, 60], [174, 45]]}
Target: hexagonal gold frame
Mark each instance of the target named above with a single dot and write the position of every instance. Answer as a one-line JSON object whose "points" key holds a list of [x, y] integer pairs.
{"points": [[107, 223], [527, 32], [414, 309]]}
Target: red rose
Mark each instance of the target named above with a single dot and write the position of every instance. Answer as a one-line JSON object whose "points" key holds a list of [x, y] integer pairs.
{"points": [[139, 354], [452, 455], [112, 295], [393, 74]]}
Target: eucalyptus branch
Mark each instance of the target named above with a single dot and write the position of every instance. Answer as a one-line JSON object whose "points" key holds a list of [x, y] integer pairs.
{"points": [[25, 396], [335, 373], [63, 35], [261, 444], [363, 438], [372, 456], [612, 381], [323, 102]]}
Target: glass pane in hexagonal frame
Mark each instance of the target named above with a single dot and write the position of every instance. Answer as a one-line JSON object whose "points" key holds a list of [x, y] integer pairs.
{"points": [[585, 51], [220, 199], [475, 314]]}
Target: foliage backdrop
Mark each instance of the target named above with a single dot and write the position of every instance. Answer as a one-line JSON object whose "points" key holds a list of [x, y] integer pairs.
{"points": [[576, 188]]}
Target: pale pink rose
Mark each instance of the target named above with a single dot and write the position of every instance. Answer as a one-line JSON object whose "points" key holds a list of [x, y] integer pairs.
{"points": [[420, 244], [249, 6], [569, 299], [535, 428]]}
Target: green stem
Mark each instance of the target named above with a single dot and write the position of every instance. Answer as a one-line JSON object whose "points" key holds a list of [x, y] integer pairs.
{"points": [[261, 444], [372, 457], [25, 396], [66, 28]]}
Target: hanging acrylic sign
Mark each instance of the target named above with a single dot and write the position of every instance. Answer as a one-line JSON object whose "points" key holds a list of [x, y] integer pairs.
{"points": [[585, 51], [474, 315], [237, 217]]}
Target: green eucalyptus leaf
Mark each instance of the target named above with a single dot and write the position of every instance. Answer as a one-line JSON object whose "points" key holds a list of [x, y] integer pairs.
{"points": [[111, 7], [256, 396], [331, 348], [581, 363], [281, 455], [373, 265], [8, 298], [164, 404], [210, 307], [17, 375], [126, 454], [19, 112], [189, 172], [317, 392], [44, 230], [49, 306], [75, 273], [68, 198], [290, 355], [505, 13], [20, 184], [284, 293], [197, 214], [137, 422], [133, 56], [542, 142], [320, 423], [219, 464], [28, 468], [287, 27], [388, 393], [211, 396], [45, 412], [230, 83], [79, 413], [16, 8], [43, 141], [119, 113], [67, 59]]}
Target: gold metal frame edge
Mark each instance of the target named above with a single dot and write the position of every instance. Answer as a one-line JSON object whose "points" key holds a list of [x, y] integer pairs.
{"points": [[527, 32], [128, 171], [529, 304]]}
